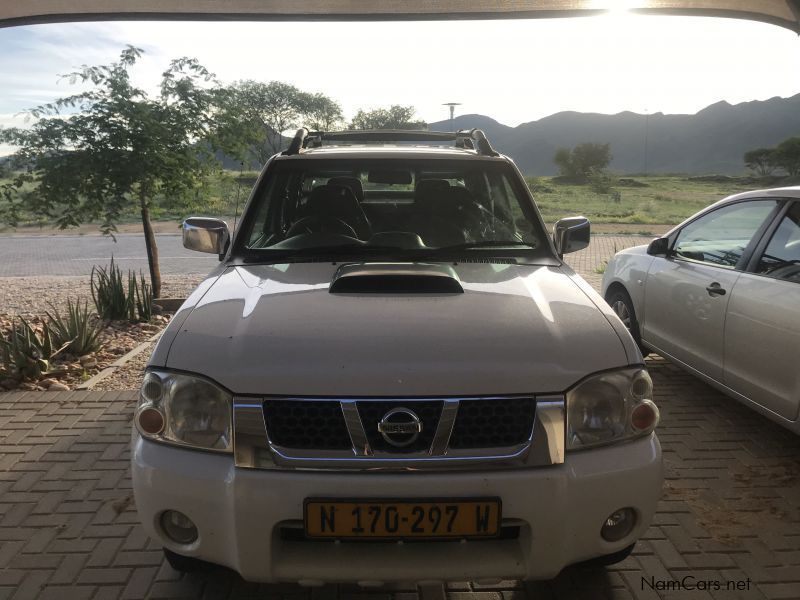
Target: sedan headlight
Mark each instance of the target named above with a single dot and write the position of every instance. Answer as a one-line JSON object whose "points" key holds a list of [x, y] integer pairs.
{"points": [[610, 407], [185, 410]]}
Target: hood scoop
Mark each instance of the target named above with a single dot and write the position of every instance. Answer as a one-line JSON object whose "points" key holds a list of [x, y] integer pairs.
{"points": [[395, 278]]}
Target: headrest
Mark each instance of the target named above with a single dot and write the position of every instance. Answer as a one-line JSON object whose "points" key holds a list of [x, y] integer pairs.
{"points": [[352, 182], [332, 199], [459, 196], [429, 191]]}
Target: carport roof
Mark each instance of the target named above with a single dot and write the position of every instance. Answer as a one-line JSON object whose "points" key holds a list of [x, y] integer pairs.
{"points": [[785, 13]]}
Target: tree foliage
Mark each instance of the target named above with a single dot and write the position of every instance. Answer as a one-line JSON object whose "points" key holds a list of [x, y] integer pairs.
{"points": [[252, 116], [787, 156], [761, 160], [583, 161], [87, 157], [394, 117]]}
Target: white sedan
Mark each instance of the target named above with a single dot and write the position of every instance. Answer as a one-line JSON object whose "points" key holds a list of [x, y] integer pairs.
{"points": [[719, 295]]}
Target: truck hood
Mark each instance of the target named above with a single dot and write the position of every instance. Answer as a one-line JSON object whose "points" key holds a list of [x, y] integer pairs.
{"points": [[276, 330]]}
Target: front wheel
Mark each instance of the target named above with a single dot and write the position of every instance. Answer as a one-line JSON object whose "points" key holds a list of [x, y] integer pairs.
{"points": [[622, 305]]}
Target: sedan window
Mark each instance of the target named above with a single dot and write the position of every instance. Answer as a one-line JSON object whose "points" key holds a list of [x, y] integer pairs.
{"points": [[781, 259], [721, 236]]}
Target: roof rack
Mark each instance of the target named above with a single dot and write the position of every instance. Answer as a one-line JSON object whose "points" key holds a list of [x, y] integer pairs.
{"points": [[466, 138]]}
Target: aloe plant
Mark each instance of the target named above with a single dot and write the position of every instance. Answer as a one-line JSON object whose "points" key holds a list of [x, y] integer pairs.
{"points": [[108, 292], [140, 295], [75, 329], [26, 352], [112, 299]]}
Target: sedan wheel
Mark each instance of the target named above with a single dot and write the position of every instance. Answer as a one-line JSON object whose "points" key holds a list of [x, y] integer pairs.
{"points": [[622, 305], [623, 313]]}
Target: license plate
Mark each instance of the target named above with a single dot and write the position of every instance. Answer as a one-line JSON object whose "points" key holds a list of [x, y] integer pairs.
{"points": [[389, 519]]}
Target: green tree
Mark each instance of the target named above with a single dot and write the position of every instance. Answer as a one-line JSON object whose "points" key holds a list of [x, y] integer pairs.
{"points": [[322, 113], [252, 116], [394, 117], [787, 156], [583, 161], [761, 160], [90, 155]]}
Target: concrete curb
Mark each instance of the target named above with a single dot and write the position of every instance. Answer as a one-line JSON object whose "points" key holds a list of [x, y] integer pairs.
{"points": [[120, 362]]}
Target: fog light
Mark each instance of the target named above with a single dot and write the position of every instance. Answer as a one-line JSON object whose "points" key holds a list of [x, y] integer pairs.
{"points": [[618, 524], [151, 421], [178, 527]]}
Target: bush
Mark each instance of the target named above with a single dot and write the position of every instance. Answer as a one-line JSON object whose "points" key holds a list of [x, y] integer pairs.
{"points": [[74, 330], [112, 300], [26, 352], [600, 182]]}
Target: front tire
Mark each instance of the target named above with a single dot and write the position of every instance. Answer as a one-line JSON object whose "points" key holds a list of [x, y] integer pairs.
{"points": [[622, 305]]}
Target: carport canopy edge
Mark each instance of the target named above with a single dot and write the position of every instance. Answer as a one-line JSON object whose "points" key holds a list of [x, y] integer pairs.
{"points": [[785, 13]]}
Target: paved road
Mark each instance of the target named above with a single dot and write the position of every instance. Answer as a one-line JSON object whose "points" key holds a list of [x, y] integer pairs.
{"points": [[74, 255], [730, 511], [729, 515]]}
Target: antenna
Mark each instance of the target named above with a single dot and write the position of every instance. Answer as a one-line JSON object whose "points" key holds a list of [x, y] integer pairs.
{"points": [[452, 106], [238, 189]]}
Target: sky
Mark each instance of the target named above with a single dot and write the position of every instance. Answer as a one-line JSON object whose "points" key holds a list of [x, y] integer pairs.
{"points": [[514, 71]]}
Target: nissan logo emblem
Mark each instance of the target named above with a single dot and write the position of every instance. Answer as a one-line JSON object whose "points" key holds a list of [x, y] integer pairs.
{"points": [[400, 427]]}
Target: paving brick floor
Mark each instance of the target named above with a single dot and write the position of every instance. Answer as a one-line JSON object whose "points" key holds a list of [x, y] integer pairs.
{"points": [[730, 511]]}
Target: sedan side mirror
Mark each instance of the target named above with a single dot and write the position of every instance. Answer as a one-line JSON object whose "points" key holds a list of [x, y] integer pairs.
{"points": [[571, 234], [206, 235], [658, 247]]}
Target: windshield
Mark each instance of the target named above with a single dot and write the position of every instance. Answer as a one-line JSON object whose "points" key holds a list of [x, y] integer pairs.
{"points": [[324, 205]]}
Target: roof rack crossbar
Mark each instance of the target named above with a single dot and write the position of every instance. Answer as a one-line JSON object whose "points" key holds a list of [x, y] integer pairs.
{"points": [[467, 138]]}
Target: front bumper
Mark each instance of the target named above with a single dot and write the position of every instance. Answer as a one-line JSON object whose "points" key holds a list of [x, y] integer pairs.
{"points": [[243, 514]]}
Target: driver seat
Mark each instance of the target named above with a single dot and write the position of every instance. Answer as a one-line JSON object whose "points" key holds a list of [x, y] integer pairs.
{"points": [[339, 202]]}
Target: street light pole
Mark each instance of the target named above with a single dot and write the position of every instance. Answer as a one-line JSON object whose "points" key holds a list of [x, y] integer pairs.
{"points": [[452, 106], [646, 124]]}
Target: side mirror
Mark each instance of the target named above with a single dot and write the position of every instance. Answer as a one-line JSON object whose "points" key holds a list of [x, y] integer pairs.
{"points": [[571, 234], [206, 235], [658, 247]]}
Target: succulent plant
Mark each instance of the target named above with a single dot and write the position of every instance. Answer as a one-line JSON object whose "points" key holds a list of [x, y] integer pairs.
{"points": [[75, 330], [26, 352]]}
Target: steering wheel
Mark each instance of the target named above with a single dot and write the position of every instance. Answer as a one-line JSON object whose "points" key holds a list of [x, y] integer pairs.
{"points": [[321, 224]]}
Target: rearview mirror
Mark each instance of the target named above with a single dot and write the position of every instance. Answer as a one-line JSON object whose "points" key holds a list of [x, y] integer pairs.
{"points": [[206, 235], [658, 247], [390, 176], [571, 234]]}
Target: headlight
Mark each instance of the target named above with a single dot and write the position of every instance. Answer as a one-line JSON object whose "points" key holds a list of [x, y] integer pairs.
{"points": [[184, 410], [610, 407]]}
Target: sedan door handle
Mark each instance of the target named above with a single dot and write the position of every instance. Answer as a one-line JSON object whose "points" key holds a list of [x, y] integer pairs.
{"points": [[715, 289]]}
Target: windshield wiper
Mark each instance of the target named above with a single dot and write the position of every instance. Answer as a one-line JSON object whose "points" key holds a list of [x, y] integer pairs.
{"points": [[472, 245], [333, 252]]}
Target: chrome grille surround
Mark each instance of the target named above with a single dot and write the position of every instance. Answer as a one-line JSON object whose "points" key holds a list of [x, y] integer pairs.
{"points": [[253, 447]]}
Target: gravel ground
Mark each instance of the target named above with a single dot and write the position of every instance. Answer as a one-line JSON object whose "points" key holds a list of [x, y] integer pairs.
{"points": [[128, 377], [30, 297]]}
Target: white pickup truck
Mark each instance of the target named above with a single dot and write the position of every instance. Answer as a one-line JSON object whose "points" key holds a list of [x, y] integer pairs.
{"points": [[393, 376]]}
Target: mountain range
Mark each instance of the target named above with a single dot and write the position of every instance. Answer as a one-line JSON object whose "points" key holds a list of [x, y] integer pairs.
{"points": [[710, 141]]}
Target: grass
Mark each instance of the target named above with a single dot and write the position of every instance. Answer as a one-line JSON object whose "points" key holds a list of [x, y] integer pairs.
{"points": [[661, 200], [666, 200]]}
